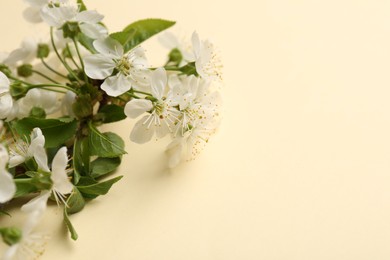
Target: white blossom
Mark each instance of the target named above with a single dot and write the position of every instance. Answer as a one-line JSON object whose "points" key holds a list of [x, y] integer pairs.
{"points": [[31, 244], [6, 100], [132, 67], [40, 98], [7, 185], [161, 115], [207, 60], [58, 14], [21, 151]]}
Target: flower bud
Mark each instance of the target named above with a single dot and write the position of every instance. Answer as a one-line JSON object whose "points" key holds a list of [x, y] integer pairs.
{"points": [[175, 56], [37, 112], [71, 29], [17, 90], [11, 235], [43, 51], [25, 70]]}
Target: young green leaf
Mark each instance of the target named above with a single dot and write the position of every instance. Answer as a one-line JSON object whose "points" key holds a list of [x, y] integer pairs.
{"points": [[144, 29], [80, 158], [56, 131], [69, 225], [75, 202], [86, 42], [101, 188], [112, 113], [103, 166], [124, 38], [105, 144], [82, 6]]}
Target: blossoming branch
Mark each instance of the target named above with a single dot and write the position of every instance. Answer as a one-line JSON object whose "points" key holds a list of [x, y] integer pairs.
{"points": [[55, 94]]}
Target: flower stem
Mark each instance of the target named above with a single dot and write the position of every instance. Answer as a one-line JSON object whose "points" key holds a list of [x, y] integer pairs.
{"points": [[52, 85], [51, 69], [59, 56], [71, 57], [44, 76]]}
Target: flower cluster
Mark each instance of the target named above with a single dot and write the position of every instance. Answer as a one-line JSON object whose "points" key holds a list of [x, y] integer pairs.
{"points": [[56, 92]]}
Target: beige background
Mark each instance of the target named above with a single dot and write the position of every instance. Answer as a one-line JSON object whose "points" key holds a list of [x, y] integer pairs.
{"points": [[300, 169]]}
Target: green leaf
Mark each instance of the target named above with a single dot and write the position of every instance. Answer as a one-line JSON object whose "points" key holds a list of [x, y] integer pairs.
{"points": [[56, 131], [144, 29], [82, 6], [75, 202], [124, 38], [81, 162], [24, 188], [86, 42], [103, 166], [101, 188], [105, 144], [112, 113], [189, 69], [2, 212], [69, 225]]}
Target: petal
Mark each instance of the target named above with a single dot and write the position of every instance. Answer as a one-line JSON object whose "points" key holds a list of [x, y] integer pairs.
{"points": [[38, 203], [168, 40], [52, 16], [141, 133], [3, 157], [137, 107], [32, 14], [109, 47], [94, 31], [16, 160], [175, 152], [11, 252], [116, 85], [4, 81], [158, 82], [6, 104], [98, 66], [196, 44], [61, 182], [7, 186], [89, 16]]}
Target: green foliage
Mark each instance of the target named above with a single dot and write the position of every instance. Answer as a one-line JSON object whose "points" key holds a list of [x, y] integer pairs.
{"points": [[143, 30], [101, 188], [111, 113], [11, 235], [56, 131], [82, 6], [75, 203], [103, 166], [72, 230], [86, 42], [80, 158], [105, 144], [124, 38], [189, 69]]}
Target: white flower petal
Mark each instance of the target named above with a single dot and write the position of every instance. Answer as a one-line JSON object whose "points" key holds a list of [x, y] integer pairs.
{"points": [[4, 81], [116, 85], [59, 177], [7, 185], [16, 160], [89, 16], [175, 152], [6, 104], [137, 107], [38, 203], [108, 47], [98, 66], [140, 133], [196, 44], [32, 14], [94, 31], [158, 82], [52, 16]]}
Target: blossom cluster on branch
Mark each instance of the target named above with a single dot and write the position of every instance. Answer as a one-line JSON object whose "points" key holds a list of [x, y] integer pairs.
{"points": [[55, 94]]}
